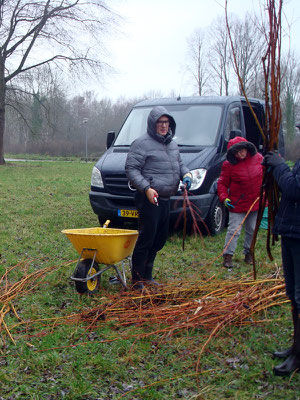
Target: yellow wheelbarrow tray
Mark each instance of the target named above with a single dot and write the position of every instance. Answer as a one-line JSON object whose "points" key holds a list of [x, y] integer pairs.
{"points": [[96, 246]]}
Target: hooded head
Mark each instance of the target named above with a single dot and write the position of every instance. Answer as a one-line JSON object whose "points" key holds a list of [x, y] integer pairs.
{"points": [[153, 117], [236, 144]]}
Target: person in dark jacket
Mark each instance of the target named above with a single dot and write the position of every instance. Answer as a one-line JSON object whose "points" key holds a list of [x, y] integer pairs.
{"points": [[287, 224], [238, 188], [154, 167]]}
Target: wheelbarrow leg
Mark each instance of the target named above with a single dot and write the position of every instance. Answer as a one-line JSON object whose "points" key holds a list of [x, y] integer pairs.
{"points": [[81, 257], [121, 276]]}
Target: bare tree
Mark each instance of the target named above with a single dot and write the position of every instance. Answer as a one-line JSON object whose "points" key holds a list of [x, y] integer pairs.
{"points": [[219, 59], [67, 33], [197, 67], [290, 89], [248, 47]]}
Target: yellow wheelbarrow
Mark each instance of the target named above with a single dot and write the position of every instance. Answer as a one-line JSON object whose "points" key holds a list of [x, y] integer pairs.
{"points": [[96, 246]]}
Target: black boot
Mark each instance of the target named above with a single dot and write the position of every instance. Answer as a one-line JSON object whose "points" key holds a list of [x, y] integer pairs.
{"points": [[148, 275], [136, 278], [248, 258], [287, 352], [292, 363], [137, 285]]}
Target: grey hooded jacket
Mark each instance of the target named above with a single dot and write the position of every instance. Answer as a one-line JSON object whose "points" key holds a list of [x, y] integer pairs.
{"points": [[154, 160]]}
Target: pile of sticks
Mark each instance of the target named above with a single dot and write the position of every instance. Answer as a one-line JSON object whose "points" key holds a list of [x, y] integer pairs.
{"points": [[204, 304], [210, 305], [12, 289]]}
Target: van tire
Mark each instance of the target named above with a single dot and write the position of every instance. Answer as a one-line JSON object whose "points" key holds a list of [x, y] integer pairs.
{"points": [[216, 217]]}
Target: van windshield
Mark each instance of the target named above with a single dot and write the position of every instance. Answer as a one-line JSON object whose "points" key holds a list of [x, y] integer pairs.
{"points": [[196, 125]]}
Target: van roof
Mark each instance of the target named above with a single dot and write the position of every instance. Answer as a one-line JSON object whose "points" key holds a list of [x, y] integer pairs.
{"points": [[194, 100]]}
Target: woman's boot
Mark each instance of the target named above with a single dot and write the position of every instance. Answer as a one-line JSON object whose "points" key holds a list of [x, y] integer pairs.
{"points": [[227, 261], [287, 352], [293, 361]]}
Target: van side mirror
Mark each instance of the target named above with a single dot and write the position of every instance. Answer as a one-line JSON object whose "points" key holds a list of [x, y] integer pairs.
{"points": [[234, 133], [110, 138]]}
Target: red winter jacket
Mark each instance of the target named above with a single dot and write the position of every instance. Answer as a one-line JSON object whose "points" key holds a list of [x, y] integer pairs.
{"points": [[240, 180]]}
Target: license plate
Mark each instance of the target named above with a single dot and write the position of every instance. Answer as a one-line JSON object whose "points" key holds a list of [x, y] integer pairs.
{"points": [[128, 213]]}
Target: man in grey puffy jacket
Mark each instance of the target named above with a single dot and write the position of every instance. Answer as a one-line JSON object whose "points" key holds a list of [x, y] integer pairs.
{"points": [[154, 167]]}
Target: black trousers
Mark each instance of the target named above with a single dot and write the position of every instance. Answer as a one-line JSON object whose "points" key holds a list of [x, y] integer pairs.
{"points": [[153, 233], [290, 249]]}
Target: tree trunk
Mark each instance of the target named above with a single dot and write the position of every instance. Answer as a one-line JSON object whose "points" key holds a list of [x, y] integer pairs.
{"points": [[2, 111]]}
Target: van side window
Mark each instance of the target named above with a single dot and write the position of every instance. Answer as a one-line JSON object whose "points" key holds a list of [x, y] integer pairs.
{"points": [[233, 121], [253, 134]]}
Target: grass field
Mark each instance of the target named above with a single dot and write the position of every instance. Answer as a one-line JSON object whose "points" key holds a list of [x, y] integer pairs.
{"points": [[44, 356]]}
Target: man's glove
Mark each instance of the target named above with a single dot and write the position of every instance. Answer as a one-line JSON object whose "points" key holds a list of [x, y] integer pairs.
{"points": [[187, 181], [272, 159], [227, 203]]}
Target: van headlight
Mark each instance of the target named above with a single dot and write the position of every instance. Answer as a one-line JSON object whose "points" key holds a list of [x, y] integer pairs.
{"points": [[198, 178], [96, 179]]}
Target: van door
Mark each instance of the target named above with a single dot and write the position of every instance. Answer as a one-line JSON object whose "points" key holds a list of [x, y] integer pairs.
{"points": [[234, 125]]}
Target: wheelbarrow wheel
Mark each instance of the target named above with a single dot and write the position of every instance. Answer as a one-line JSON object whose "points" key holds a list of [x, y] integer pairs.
{"points": [[84, 270]]}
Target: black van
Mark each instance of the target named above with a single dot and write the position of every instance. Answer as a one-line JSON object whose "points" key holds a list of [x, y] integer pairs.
{"points": [[203, 127]]}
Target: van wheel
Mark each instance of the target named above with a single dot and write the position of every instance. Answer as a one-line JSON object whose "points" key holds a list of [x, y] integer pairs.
{"points": [[216, 217]]}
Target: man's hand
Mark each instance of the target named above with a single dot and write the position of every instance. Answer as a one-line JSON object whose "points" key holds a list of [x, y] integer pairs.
{"points": [[151, 195], [227, 203], [187, 181], [272, 159]]}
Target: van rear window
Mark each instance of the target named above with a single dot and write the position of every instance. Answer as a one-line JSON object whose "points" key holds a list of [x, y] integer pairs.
{"points": [[196, 125]]}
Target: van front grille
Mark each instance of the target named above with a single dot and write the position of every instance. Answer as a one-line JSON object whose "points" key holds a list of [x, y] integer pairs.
{"points": [[117, 184]]}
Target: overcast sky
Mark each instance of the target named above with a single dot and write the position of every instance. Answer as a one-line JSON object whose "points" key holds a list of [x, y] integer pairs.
{"points": [[151, 53]]}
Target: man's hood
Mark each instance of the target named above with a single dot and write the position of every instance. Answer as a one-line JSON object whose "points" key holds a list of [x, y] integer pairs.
{"points": [[153, 117]]}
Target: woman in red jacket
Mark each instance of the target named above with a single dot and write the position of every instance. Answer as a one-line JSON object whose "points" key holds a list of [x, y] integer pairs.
{"points": [[238, 188]]}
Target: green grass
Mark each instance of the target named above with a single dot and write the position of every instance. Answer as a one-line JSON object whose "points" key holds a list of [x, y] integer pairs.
{"points": [[47, 157], [49, 361], [39, 157]]}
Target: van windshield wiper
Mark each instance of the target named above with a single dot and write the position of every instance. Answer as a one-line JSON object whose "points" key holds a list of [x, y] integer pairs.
{"points": [[187, 145], [194, 146]]}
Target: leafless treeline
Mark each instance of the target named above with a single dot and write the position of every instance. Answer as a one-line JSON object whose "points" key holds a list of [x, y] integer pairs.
{"points": [[63, 34], [48, 122], [212, 71], [43, 119]]}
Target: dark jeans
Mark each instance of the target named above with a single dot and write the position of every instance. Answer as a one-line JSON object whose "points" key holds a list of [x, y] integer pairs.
{"points": [[153, 233], [290, 249]]}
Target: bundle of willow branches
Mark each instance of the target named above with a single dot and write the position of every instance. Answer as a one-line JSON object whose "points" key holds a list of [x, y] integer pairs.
{"points": [[12, 289], [271, 29]]}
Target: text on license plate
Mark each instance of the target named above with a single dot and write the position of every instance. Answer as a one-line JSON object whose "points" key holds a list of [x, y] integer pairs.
{"points": [[128, 213]]}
